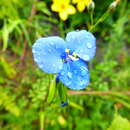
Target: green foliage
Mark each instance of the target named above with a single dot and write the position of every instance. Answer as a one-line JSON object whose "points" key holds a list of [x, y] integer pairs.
{"points": [[38, 92], [7, 103], [30, 99], [119, 123], [8, 69]]}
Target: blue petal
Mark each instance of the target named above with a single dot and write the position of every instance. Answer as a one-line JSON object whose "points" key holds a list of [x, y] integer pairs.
{"points": [[75, 75], [83, 43], [47, 53]]}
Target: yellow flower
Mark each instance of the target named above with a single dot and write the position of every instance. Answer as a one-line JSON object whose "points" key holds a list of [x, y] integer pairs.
{"points": [[81, 4], [63, 7]]}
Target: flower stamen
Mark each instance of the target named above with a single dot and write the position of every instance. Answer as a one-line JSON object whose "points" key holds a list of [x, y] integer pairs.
{"points": [[72, 57], [67, 50]]}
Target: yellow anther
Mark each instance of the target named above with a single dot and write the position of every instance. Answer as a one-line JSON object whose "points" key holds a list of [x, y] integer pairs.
{"points": [[74, 54], [73, 58], [67, 50]]}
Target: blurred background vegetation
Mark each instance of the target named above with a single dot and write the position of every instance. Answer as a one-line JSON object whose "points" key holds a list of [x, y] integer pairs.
{"points": [[24, 89]]}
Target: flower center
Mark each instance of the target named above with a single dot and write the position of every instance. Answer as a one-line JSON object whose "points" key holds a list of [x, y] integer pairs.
{"points": [[69, 56], [62, 6]]}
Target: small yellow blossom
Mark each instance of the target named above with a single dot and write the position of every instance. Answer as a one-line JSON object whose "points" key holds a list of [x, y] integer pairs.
{"points": [[63, 7], [81, 4]]}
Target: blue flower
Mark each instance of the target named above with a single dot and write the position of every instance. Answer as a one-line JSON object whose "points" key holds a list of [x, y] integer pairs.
{"points": [[66, 58]]}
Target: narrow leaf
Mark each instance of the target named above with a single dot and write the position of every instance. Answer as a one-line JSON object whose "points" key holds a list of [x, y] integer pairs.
{"points": [[51, 90]]}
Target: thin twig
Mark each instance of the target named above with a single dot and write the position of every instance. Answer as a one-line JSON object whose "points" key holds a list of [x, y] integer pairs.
{"points": [[33, 12], [97, 92]]}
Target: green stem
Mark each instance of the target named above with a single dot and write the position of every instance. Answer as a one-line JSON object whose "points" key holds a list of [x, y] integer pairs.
{"points": [[117, 99], [61, 27], [101, 19], [42, 119], [91, 18], [122, 102]]}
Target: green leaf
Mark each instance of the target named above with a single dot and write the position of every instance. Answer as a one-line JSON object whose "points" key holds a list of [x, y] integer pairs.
{"points": [[5, 36], [7, 29], [62, 92], [13, 24], [119, 123], [51, 90], [41, 6], [73, 104]]}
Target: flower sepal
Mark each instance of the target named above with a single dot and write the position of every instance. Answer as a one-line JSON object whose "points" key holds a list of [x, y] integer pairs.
{"points": [[62, 92], [52, 90]]}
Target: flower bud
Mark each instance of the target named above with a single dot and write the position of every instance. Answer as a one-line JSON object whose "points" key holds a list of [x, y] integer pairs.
{"points": [[113, 5], [91, 7]]}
